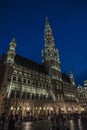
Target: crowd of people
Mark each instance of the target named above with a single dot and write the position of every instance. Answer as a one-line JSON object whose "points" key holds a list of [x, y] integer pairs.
{"points": [[11, 122], [62, 121], [56, 121]]}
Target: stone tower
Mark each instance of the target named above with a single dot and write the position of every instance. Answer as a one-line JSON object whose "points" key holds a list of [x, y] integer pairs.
{"points": [[11, 51], [50, 56], [72, 78]]}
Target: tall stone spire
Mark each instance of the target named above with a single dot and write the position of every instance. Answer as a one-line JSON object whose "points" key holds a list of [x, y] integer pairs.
{"points": [[11, 51], [50, 56], [49, 51], [48, 37]]}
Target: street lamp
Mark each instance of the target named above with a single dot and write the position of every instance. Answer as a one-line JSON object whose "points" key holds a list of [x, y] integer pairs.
{"points": [[62, 109], [40, 108], [44, 108], [11, 108], [69, 109]]}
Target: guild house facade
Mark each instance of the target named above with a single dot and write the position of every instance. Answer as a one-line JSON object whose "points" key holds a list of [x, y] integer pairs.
{"points": [[31, 89]]}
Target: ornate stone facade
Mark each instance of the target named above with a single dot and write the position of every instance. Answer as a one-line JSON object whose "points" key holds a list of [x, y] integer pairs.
{"points": [[33, 89], [82, 91]]}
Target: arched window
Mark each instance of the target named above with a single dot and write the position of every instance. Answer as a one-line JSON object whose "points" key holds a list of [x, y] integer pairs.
{"points": [[36, 83], [28, 81], [17, 94], [47, 86], [37, 96], [44, 97], [24, 80], [32, 95], [33, 83], [23, 95], [43, 85], [14, 78], [12, 94], [41, 97], [28, 95], [19, 79], [50, 97]]}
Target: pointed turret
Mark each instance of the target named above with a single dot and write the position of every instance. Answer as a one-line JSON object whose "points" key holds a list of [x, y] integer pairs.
{"points": [[72, 78], [48, 37], [85, 83], [50, 56], [11, 51]]}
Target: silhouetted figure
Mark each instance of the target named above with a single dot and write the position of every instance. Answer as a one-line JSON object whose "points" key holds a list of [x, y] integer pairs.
{"points": [[3, 120], [11, 124], [57, 123], [65, 124]]}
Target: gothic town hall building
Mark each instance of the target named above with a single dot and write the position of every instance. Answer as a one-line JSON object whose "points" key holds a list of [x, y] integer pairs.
{"points": [[30, 89]]}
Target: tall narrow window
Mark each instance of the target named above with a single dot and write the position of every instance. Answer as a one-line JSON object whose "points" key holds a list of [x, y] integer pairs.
{"points": [[12, 94], [41, 97], [32, 95], [28, 95], [19, 80], [44, 97], [14, 78], [37, 96], [23, 95], [24, 80], [28, 81], [17, 94]]}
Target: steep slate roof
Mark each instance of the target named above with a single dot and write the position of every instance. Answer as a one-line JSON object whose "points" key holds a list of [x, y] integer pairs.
{"points": [[24, 62], [19, 60]]}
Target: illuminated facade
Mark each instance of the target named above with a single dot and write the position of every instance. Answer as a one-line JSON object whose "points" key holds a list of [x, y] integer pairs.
{"points": [[29, 88], [82, 91]]}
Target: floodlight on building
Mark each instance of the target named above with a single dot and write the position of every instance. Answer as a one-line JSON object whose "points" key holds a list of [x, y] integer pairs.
{"points": [[12, 108], [76, 109], [40, 108], [47, 108], [36, 108], [24, 108], [51, 108], [62, 109], [82, 109], [69, 109], [17, 108], [28, 108], [44, 108]]}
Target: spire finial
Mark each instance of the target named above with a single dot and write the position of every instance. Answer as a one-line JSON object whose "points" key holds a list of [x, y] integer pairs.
{"points": [[13, 39], [70, 72], [46, 18], [47, 22]]}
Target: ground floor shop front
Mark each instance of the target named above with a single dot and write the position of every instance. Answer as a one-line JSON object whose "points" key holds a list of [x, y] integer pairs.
{"points": [[35, 108]]}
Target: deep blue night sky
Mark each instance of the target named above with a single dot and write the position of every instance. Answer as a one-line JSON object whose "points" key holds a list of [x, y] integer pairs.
{"points": [[25, 20]]}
